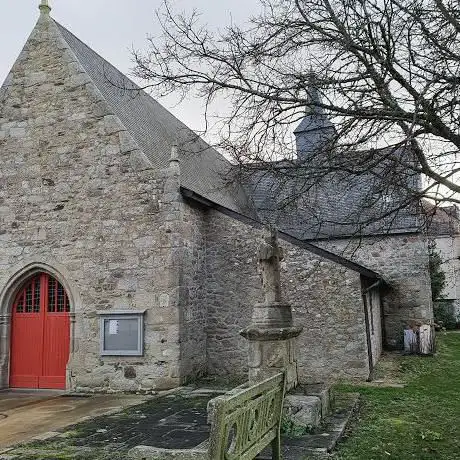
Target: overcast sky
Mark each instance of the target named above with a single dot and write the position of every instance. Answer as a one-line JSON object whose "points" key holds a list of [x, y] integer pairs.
{"points": [[110, 27]]}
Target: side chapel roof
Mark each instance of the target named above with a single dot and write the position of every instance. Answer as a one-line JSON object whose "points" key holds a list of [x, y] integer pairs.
{"points": [[295, 198]]}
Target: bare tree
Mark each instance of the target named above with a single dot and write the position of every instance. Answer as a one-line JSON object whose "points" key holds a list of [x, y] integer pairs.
{"points": [[386, 73]]}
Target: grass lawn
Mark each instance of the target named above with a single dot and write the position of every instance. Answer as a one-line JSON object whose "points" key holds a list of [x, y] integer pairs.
{"points": [[420, 421]]}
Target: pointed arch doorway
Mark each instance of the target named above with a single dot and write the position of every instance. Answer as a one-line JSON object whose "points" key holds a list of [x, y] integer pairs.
{"points": [[40, 334]]}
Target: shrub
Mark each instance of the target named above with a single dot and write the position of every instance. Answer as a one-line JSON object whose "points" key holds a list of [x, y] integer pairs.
{"points": [[438, 277], [444, 314]]}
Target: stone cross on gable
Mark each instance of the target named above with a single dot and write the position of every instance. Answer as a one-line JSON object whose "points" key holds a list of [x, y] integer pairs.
{"points": [[270, 255]]}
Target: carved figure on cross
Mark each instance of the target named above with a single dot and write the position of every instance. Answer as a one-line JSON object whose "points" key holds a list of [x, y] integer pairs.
{"points": [[270, 255]]}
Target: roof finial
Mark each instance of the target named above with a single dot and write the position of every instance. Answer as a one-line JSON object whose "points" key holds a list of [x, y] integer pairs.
{"points": [[44, 7], [174, 162], [174, 153], [313, 95]]}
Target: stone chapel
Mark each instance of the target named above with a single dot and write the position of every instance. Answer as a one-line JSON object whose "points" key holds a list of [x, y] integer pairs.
{"points": [[129, 263]]}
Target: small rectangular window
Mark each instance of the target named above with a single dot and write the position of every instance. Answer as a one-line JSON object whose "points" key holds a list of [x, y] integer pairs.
{"points": [[122, 333]]}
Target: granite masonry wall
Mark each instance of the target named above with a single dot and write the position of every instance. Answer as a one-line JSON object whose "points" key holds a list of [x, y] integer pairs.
{"points": [[80, 200], [232, 287], [403, 262], [326, 300], [193, 319]]}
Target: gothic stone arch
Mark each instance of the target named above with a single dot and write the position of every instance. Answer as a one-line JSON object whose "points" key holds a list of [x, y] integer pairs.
{"points": [[16, 277]]}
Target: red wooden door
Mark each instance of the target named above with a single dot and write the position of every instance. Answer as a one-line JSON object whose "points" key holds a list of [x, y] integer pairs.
{"points": [[40, 335]]}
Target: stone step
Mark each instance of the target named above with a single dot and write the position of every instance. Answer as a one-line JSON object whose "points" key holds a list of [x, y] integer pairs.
{"points": [[303, 411], [307, 405], [322, 440], [323, 391]]}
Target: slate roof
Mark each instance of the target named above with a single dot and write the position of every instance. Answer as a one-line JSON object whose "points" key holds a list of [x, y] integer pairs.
{"points": [[315, 117], [313, 122], [341, 204], [156, 130]]}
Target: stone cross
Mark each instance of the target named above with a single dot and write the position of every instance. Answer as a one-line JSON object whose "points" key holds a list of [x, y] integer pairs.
{"points": [[270, 255]]}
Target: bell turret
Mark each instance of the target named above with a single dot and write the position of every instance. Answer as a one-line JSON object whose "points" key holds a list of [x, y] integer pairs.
{"points": [[315, 132]]}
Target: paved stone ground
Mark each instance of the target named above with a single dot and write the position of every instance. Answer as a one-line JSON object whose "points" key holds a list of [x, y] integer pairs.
{"points": [[176, 420], [26, 415]]}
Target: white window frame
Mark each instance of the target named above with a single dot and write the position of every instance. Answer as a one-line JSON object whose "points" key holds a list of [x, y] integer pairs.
{"points": [[121, 315]]}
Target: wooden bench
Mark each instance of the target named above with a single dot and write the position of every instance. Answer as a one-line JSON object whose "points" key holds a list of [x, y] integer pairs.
{"points": [[243, 421]]}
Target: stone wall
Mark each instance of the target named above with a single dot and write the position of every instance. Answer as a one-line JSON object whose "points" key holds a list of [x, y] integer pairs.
{"points": [[326, 298], [76, 193], [233, 285], [193, 305], [403, 262]]}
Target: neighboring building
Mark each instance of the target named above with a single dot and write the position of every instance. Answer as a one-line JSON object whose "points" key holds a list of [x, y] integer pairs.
{"points": [[128, 262], [443, 223]]}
